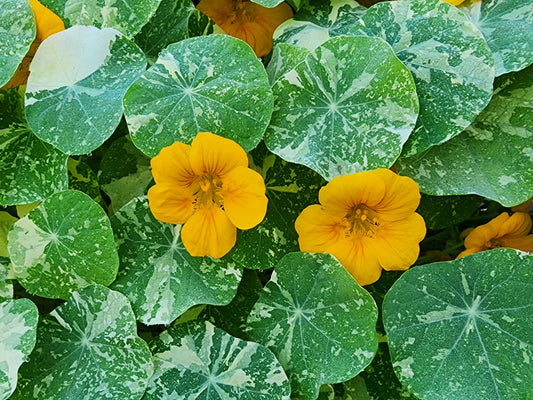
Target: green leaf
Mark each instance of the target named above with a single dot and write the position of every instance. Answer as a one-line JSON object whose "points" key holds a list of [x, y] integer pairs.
{"points": [[268, 3], [348, 107], [83, 178], [319, 21], [77, 81], [289, 189], [159, 276], [204, 84], [6, 221], [64, 244], [126, 16], [11, 107], [493, 157], [17, 339], [30, 170], [450, 60], [6, 288], [284, 58], [87, 349], [124, 172], [440, 212], [196, 360], [508, 28], [17, 31], [462, 329], [317, 320]]}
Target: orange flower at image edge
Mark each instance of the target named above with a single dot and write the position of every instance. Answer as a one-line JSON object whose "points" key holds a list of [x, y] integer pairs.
{"points": [[209, 188], [247, 21], [367, 221], [47, 23], [502, 231]]}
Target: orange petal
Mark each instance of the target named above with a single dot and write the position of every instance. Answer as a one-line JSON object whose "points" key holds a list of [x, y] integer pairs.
{"points": [[317, 229], [396, 244], [517, 225], [402, 196], [209, 232], [170, 205], [46, 21], [484, 233], [524, 243], [171, 167], [245, 202], [216, 155], [469, 251], [523, 207]]}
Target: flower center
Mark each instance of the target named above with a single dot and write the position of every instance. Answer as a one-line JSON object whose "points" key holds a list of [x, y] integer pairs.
{"points": [[361, 221], [208, 191], [244, 11]]}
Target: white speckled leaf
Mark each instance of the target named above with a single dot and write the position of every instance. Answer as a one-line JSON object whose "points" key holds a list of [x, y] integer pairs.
{"points": [[64, 244], [289, 188], [83, 178], [204, 84], [284, 58], [126, 16], [87, 349], [493, 157], [17, 339], [317, 320], [77, 81], [30, 170], [6, 288], [319, 21], [196, 360], [508, 28], [11, 107], [440, 212], [17, 31], [159, 276], [449, 58], [268, 3], [349, 107], [462, 329]]}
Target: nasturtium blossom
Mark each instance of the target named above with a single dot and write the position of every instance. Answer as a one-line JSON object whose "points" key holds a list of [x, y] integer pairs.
{"points": [[502, 231], [247, 21], [208, 187], [367, 221], [47, 23]]}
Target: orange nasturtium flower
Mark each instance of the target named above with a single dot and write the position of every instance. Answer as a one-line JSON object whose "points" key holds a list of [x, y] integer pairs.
{"points": [[208, 187], [247, 21], [502, 231], [367, 221], [47, 23]]}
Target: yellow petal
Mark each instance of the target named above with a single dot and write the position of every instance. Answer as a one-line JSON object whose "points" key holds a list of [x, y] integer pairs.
{"points": [[245, 202], [169, 205], [482, 234], [171, 167], [517, 225], [454, 2], [524, 243], [317, 229], [216, 155], [401, 198], [209, 232], [469, 251], [523, 207], [396, 244]]}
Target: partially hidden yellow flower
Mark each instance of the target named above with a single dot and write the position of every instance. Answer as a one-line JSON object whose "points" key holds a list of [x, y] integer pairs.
{"points": [[208, 187], [367, 221], [454, 2], [502, 231], [247, 21], [47, 23]]}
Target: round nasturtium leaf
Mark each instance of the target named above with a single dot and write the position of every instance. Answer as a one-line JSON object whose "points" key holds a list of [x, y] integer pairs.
{"points": [[17, 31], [209, 83], [450, 60], [493, 157], [317, 320], [462, 329], [88, 349], [64, 244], [508, 28], [126, 16], [17, 339], [77, 80], [349, 107], [197, 360], [158, 275], [30, 170]]}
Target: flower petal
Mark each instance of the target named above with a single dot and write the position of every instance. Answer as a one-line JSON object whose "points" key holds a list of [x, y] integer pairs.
{"points": [[169, 205], [317, 229], [469, 251], [396, 244], [209, 232], [245, 202], [401, 198], [482, 234], [171, 167], [524, 243], [518, 224], [216, 155]]}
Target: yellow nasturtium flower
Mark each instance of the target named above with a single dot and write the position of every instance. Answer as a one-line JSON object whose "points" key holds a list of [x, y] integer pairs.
{"points": [[247, 21], [367, 221], [454, 2], [208, 187], [502, 231], [47, 23]]}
